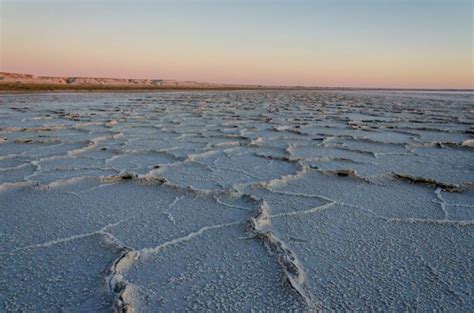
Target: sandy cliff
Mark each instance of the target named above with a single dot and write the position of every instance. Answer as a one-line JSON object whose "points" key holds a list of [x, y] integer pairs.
{"points": [[20, 81]]}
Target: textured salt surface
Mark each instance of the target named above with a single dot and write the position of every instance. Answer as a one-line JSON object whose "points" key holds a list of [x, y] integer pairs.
{"points": [[239, 201]]}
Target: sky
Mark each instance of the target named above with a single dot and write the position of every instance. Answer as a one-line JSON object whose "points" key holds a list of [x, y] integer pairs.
{"points": [[353, 43]]}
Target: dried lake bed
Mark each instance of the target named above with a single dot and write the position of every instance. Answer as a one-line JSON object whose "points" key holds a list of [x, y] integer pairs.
{"points": [[237, 201]]}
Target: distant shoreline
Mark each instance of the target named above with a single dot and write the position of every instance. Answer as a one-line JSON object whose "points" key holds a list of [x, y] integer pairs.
{"points": [[33, 88], [22, 87], [18, 83]]}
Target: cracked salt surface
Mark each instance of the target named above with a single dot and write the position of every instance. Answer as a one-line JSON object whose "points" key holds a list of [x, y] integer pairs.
{"points": [[236, 201]]}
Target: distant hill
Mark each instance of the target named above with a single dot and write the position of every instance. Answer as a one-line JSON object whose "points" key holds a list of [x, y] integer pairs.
{"points": [[29, 82], [15, 81]]}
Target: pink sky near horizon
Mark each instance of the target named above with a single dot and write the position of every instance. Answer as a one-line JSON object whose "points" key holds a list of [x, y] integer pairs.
{"points": [[54, 40]]}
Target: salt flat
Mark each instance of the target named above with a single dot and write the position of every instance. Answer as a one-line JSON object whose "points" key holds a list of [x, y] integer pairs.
{"points": [[237, 201]]}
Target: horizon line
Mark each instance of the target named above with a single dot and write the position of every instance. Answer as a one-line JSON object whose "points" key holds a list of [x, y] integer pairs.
{"points": [[260, 86]]}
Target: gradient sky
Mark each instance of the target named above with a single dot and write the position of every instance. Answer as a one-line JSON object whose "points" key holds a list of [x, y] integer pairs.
{"points": [[365, 43]]}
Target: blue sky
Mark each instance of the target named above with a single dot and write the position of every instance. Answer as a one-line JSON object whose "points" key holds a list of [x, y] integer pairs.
{"points": [[382, 43]]}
